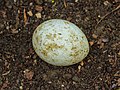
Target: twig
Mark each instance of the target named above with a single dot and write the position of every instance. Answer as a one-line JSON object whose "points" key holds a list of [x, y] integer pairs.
{"points": [[103, 17], [6, 73], [65, 3]]}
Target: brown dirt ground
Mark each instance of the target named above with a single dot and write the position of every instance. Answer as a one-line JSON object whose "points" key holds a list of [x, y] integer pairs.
{"points": [[22, 69]]}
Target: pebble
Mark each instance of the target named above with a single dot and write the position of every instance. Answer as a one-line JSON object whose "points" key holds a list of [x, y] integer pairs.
{"points": [[15, 1], [21, 87], [1, 80], [62, 85], [28, 74], [14, 31], [109, 69], [106, 3], [100, 29], [79, 68], [30, 13], [52, 74], [94, 36], [39, 1], [49, 82], [105, 40], [38, 15], [119, 53], [7, 27], [1, 25], [91, 43], [9, 4], [67, 76], [31, 4], [82, 63], [76, 0], [114, 85], [76, 78], [118, 82]]}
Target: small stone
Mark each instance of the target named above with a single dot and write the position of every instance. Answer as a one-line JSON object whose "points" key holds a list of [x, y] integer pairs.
{"points": [[28, 74], [109, 69], [21, 87], [3, 13], [38, 15], [119, 53], [114, 85], [117, 74], [117, 1], [101, 45], [1, 25], [99, 16], [15, 1], [69, 18], [75, 78], [106, 3], [9, 4], [118, 82], [51, 1], [62, 85], [14, 31], [30, 13], [35, 61], [7, 27], [79, 68], [45, 77], [52, 73], [105, 39], [99, 29], [99, 41], [82, 63], [34, 56], [1, 80], [91, 43], [94, 36], [31, 4], [87, 19], [76, 0], [49, 82], [39, 1], [67, 76]]}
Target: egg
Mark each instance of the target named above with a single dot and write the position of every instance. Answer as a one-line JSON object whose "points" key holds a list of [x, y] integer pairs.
{"points": [[60, 42]]}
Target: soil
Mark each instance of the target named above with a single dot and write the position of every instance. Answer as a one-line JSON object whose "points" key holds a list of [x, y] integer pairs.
{"points": [[22, 69]]}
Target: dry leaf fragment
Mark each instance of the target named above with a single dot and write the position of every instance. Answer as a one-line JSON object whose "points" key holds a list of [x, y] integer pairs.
{"points": [[38, 8]]}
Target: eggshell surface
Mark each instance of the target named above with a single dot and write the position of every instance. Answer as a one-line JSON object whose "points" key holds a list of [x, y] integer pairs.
{"points": [[60, 42]]}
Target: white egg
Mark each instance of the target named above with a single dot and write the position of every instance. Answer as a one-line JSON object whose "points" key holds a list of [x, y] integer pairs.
{"points": [[60, 42]]}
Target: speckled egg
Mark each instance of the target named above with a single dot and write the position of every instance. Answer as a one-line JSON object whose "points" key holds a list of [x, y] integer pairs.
{"points": [[60, 42]]}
